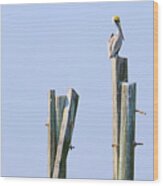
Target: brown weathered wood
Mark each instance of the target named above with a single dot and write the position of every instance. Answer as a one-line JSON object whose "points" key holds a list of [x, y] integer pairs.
{"points": [[60, 105], [119, 75], [52, 138], [127, 132], [65, 135]]}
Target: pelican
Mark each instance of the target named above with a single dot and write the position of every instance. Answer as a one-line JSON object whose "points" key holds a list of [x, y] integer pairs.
{"points": [[115, 41]]}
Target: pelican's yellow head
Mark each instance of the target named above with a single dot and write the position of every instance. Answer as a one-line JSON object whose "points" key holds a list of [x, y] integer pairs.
{"points": [[116, 19]]}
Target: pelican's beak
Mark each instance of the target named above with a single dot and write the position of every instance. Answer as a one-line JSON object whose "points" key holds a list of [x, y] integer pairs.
{"points": [[123, 37], [119, 25]]}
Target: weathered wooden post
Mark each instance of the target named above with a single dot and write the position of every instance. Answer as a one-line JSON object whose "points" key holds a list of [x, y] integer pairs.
{"points": [[119, 75], [60, 105], [127, 132], [52, 135], [65, 135], [62, 112]]}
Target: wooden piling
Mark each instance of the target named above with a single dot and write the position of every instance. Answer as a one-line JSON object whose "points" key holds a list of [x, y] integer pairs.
{"points": [[61, 118], [127, 132], [65, 134], [119, 75]]}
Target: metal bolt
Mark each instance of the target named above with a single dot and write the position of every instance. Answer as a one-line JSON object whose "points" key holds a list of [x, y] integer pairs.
{"points": [[141, 112], [135, 144], [115, 145], [71, 147]]}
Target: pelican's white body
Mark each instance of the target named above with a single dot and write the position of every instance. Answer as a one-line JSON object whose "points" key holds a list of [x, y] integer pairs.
{"points": [[115, 42]]}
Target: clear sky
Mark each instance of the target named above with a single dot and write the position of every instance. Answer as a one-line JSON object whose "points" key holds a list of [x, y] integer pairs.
{"points": [[57, 46]]}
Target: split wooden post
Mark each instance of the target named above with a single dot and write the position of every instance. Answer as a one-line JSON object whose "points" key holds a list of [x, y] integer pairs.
{"points": [[119, 75], [65, 135], [61, 119], [127, 132]]}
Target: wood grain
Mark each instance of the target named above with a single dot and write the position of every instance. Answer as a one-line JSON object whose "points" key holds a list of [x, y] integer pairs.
{"points": [[127, 132], [155, 90], [52, 136], [65, 134], [119, 74]]}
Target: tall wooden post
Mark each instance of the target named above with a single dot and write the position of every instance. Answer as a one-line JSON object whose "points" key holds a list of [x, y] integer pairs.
{"points": [[119, 75], [127, 132], [61, 119]]}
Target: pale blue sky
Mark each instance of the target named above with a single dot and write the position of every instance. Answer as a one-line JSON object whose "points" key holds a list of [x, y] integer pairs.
{"points": [[59, 46]]}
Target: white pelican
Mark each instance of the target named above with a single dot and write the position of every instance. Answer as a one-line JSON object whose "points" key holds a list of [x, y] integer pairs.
{"points": [[115, 41]]}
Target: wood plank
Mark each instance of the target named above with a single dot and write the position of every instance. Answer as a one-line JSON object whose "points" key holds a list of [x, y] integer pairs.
{"points": [[52, 140], [60, 105], [127, 132], [119, 74]]}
